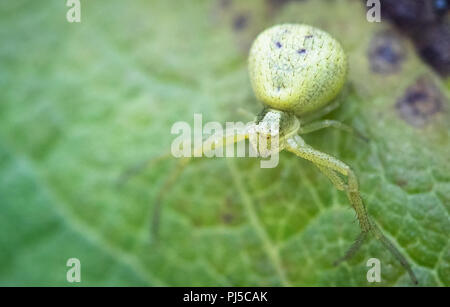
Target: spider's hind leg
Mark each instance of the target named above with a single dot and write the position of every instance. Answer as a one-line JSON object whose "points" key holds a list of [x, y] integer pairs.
{"points": [[341, 186], [322, 112], [133, 170], [168, 184], [171, 179], [214, 142], [334, 178], [353, 248], [331, 166], [318, 125]]}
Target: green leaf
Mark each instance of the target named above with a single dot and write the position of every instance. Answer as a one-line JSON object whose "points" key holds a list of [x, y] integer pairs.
{"points": [[81, 102]]}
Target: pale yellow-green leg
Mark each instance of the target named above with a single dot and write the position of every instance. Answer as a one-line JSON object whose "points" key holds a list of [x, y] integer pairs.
{"points": [[330, 166], [334, 178], [139, 167], [341, 186], [322, 112], [388, 244], [298, 146], [170, 181], [216, 141], [311, 127], [246, 113]]}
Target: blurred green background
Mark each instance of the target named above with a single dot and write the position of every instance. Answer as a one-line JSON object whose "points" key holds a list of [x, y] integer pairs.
{"points": [[82, 102]]}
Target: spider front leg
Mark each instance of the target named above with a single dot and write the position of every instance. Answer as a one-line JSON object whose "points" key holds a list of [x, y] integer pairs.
{"points": [[298, 146], [314, 126], [322, 112], [331, 166], [213, 143], [334, 178]]}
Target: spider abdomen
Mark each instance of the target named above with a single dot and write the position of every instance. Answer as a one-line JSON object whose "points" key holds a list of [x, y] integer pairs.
{"points": [[296, 68]]}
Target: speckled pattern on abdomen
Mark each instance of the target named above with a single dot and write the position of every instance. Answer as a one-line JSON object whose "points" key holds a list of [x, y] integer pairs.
{"points": [[296, 68]]}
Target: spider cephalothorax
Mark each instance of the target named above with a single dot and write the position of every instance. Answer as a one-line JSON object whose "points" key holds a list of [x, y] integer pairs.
{"points": [[269, 132]]}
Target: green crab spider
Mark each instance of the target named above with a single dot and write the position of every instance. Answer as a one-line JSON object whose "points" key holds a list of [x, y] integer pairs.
{"points": [[296, 71]]}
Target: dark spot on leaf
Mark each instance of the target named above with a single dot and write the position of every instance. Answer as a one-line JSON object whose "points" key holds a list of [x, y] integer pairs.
{"points": [[278, 44], [434, 47], [227, 218], [227, 215], [301, 51], [420, 102], [441, 5], [225, 3], [401, 182], [426, 23], [411, 13], [240, 21], [386, 53], [308, 36], [277, 4]]}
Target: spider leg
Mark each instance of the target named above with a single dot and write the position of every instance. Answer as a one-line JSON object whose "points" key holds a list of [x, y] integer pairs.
{"points": [[139, 167], [353, 248], [207, 147], [314, 126], [388, 244], [168, 184], [246, 113], [322, 112], [334, 178], [298, 146]]}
